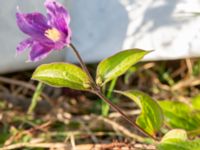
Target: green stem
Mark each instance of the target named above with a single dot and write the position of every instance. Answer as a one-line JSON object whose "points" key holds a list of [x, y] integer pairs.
{"points": [[104, 109], [35, 97], [104, 106], [116, 108], [111, 88]]}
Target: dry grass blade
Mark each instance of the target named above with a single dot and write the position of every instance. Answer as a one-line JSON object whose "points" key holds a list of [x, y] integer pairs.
{"points": [[23, 84], [122, 129], [186, 83], [58, 146]]}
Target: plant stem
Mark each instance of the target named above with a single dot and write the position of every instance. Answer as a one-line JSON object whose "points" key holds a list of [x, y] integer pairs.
{"points": [[35, 97], [82, 64], [96, 90], [104, 109], [111, 88], [104, 106], [99, 93]]}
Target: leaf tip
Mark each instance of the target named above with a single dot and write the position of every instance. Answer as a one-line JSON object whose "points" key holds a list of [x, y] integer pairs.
{"points": [[148, 51]]}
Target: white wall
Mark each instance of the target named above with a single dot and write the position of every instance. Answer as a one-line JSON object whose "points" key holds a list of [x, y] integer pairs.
{"points": [[103, 27]]}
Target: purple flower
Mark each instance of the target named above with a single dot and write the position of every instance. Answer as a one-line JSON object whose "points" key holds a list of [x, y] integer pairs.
{"points": [[45, 33]]}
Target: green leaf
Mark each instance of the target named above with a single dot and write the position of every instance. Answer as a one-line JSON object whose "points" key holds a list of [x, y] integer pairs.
{"points": [[178, 134], [62, 75], [196, 102], [118, 64], [180, 115], [151, 117], [177, 140]]}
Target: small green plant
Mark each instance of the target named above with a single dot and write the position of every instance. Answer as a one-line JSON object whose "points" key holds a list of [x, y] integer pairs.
{"points": [[53, 33], [196, 68]]}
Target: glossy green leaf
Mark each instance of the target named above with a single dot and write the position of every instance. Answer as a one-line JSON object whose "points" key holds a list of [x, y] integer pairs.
{"points": [[151, 117], [62, 75], [178, 134], [177, 140], [180, 115], [118, 64]]}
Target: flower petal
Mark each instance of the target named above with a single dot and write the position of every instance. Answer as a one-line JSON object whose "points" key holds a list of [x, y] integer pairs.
{"points": [[33, 24], [58, 16], [24, 44], [68, 37], [37, 20], [38, 52]]}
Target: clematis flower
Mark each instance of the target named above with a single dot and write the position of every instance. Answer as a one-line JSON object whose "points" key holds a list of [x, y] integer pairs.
{"points": [[46, 33]]}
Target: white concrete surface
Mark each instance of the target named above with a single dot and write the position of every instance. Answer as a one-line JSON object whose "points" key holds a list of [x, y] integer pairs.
{"points": [[169, 27]]}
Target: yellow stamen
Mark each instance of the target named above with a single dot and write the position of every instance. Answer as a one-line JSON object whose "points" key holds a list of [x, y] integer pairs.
{"points": [[53, 34]]}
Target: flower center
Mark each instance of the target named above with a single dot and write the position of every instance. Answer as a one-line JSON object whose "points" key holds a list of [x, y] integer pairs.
{"points": [[53, 34]]}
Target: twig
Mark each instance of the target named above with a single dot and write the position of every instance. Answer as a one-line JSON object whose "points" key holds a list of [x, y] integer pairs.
{"points": [[130, 113], [72, 140], [189, 66], [35, 145], [81, 134], [29, 131], [93, 137], [179, 71], [124, 115], [17, 82], [148, 65], [122, 129], [186, 83], [24, 84], [62, 146], [157, 81]]}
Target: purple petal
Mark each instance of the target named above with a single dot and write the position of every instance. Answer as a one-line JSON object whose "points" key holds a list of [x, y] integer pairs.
{"points": [[68, 38], [24, 44], [37, 20], [38, 52], [58, 16], [33, 24]]}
